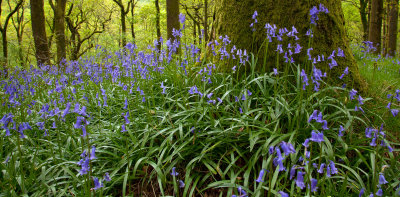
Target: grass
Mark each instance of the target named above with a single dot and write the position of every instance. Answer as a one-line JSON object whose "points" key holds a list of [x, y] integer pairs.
{"points": [[219, 130]]}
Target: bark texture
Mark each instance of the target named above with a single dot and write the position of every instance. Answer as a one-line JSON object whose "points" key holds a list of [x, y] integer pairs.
{"points": [[375, 24], [59, 25], [393, 20], [234, 19], [158, 28], [205, 21], [39, 32], [172, 17]]}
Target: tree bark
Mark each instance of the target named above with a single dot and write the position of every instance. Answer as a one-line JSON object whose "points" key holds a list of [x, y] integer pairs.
{"points": [[39, 32], [123, 12], [234, 18], [375, 24], [59, 25], [133, 21], [393, 20], [158, 23], [364, 18], [172, 17], [205, 25]]}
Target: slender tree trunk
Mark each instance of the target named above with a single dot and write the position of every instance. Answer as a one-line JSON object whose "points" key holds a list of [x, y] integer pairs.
{"points": [[39, 31], [205, 22], [172, 17], [5, 45], [59, 25], [123, 28], [194, 31], [234, 18], [393, 20], [375, 24], [158, 23], [133, 21], [364, 18]]}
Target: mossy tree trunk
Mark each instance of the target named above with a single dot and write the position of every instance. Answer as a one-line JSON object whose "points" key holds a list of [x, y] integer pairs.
{"points": [[234, 19]]}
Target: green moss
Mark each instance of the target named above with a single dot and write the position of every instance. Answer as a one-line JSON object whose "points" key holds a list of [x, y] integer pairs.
{"points": [[235, 16]]}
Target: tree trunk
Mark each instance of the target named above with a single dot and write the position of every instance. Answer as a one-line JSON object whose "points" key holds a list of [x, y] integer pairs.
{"points": [[5, 46], [234, 18], [364, 18], [158, 23], [59, 25], [375, 24], [172, 17], [393, 20], [39, 31], [205, 22], [123, 28], [133, 21]]}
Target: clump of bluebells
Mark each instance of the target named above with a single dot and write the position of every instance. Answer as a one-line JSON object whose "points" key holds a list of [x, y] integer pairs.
{"points": [[153, 112]]}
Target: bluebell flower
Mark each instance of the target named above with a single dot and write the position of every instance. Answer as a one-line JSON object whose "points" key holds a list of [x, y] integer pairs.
{"points": [[84, 166], [126, 103], [394, 112], [126, 117], [174, 173], [373, 142], [181, 184], [321, 168], [317, 136], [283, 194], [287, 148], [300, 179], [97, 184], [242, 192], [305, 143], [240, 110], [260, 176], [123, 128], [360, 100], [368, 132], [107, 177], [361, 192], [388, 105], [379, 192], [352, 93], [333, 168], [341, 129], [271, 150], [275, 71], [314, 183], [92, 154], [292, 172], [382, 179]]}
